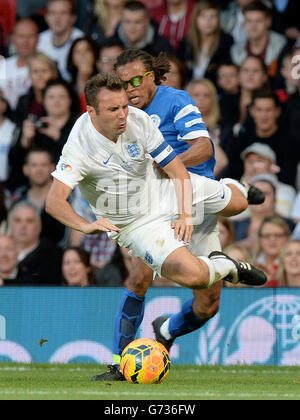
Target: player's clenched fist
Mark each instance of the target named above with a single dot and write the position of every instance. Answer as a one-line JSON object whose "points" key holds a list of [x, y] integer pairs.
{"points": [[101, 225]]}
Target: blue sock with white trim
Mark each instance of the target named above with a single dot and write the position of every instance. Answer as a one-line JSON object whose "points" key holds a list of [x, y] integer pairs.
{"points": [[127, 322]]}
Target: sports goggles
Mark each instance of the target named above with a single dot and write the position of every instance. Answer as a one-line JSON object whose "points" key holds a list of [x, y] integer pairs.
{"points": [[135, 81]]}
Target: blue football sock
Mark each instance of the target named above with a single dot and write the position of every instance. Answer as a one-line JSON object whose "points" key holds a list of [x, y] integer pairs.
{"points": [[127, 322], [185, 321]]}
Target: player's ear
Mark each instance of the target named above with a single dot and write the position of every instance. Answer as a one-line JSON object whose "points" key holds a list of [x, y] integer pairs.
{"points": [[91, 110]]}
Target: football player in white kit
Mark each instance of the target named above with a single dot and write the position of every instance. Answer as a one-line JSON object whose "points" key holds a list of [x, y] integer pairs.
{"points": [[109, 155]]}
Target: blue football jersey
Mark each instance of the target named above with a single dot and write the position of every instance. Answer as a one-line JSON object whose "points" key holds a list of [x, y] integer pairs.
{"points": [[175, 113]]}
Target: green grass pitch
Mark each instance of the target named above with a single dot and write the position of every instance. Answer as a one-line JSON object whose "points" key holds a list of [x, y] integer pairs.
{"points": [[72, 382]]}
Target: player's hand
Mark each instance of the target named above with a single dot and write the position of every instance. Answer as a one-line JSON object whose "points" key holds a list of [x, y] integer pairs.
{"points": [[101, 225], [183, 228]]}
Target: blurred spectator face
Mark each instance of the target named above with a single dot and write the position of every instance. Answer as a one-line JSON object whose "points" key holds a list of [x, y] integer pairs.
{"points": [[142, 95], [243, 3], [256, 24], [291, 259], [135, 24], [208, 21], [272, 238], [173, 77], [8, 256], [268, 207], [25, 38], [38, 168], [75, 272], [255, 165], [252, 75], [202, 96], [40, 73], [57, 101], [25, 227], [228, 78], [82, 52], [237, 254], [107, 59], [265, 114], [226, 237], [59, 16]]}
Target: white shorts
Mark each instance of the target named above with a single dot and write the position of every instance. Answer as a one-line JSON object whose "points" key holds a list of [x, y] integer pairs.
{"points": [[151, 238]]}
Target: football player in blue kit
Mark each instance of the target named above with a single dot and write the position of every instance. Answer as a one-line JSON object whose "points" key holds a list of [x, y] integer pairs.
{"points": [[175, 113]]}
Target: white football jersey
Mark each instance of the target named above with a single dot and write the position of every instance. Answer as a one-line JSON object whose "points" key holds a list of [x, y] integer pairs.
{"points": [[114, 177]]}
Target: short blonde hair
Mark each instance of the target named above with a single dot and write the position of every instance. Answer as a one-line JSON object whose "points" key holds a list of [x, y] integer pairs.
{"points": [[40, 56]]}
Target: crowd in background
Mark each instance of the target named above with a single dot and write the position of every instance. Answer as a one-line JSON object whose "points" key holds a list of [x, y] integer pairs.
{"points": [[239, 60]]}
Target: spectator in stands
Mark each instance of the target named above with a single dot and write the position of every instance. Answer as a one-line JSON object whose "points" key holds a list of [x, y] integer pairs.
{"points": [[204, 94], [293, 104], [39, 258], [10, 275], [7, 22], [177, 76], [115, 272], [273, 234], [289, 82], [81, 65], [232, 20], [41, 70], [17, 81], [228, 78], [173, 18], [235, 108], [259, 159], [268, 129], [76, 268], [38, 168], [3, 211], [7, 131], [247, 230], [227, 232], [289, 266], [261, 42], [57, 40], [50, 132], [102, 18], [108, 54], [205, 47], [136, 30]]}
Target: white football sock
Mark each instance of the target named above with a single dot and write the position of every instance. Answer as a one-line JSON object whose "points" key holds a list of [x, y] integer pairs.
{"points": [[220, 268], [228, 181]]}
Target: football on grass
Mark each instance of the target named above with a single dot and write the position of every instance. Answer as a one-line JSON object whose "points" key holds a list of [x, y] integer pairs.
{"points": [[145, 361]]}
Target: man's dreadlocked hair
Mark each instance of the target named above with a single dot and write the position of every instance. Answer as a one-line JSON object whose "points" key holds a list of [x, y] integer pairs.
{"points": [[159, 65]]}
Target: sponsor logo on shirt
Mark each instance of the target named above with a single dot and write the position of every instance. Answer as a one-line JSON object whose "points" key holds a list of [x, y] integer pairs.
{"points": [[65, 167]]}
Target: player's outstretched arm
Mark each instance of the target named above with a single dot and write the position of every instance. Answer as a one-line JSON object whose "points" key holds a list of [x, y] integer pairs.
{"points": [[58, 207], [183, 227]]}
